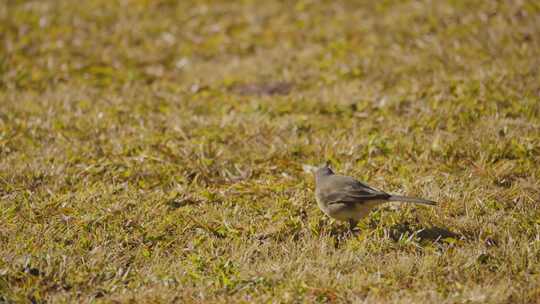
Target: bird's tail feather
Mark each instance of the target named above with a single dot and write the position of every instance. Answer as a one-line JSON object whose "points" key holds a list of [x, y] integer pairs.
{"points": [[399, 198]]}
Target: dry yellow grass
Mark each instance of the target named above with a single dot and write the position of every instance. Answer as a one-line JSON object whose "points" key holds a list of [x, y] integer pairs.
{"points": [[152, 151]]}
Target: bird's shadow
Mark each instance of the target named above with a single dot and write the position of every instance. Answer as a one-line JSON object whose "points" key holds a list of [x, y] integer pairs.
{"points": [[398, 231], [433, 234]]}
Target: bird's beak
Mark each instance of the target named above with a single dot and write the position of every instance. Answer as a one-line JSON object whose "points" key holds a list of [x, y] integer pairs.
{"points": [[309, 168]]}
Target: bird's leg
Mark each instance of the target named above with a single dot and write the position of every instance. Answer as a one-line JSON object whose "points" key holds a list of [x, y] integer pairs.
{"points": [[352, 224]]}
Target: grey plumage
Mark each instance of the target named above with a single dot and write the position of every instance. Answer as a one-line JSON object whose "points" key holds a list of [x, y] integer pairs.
{"points": [[347, 199]]}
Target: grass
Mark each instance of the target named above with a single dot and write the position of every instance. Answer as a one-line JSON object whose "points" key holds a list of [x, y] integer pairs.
{"points": [[152, 151]]}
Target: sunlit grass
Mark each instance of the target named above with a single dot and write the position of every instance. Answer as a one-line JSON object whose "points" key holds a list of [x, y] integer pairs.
{"points": [[152, 151]]}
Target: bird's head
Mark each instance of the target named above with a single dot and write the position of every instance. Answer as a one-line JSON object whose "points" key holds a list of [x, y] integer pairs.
{"points": [[323, 170]]}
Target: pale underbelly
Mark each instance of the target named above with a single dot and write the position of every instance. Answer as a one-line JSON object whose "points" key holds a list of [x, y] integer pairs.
{"points": [[345, 212]]}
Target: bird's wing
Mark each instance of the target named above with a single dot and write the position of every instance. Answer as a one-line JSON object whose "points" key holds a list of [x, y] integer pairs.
{"points": [[351, 191], [353, 197]]}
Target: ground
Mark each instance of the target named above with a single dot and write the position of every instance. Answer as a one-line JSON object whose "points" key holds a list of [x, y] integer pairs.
{"points": [[153, 151]]}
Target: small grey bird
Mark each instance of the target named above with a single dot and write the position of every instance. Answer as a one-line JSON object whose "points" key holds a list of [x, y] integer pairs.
{"points": [[346, 199]]}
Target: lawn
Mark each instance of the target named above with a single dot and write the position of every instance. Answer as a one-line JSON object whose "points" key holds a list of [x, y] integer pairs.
{"points": [[153, 151]]}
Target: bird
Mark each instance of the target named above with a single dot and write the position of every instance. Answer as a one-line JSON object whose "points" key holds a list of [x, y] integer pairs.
{"points": [[347, 199]]}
